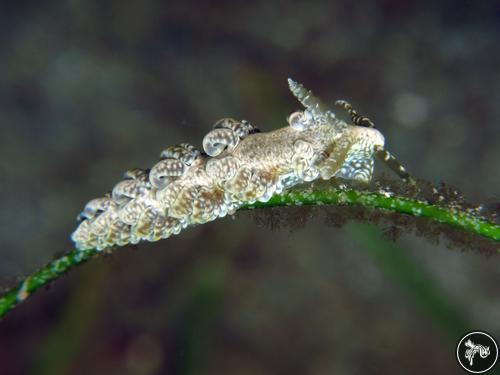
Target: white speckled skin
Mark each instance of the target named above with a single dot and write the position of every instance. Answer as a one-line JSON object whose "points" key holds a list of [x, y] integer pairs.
{"points": [[240, 165]]}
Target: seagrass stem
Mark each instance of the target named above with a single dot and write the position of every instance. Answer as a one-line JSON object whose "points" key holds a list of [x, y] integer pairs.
{"points": [[466, 221]]}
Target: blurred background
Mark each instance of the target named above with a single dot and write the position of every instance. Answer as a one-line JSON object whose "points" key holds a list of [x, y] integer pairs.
{"points": [[91, 88]]}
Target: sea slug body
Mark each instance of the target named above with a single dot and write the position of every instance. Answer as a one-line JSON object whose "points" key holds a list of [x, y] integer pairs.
{"points": [[239, 165]]}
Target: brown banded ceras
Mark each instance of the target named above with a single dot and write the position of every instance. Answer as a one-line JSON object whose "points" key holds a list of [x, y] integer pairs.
{"points": [[240, 165]]}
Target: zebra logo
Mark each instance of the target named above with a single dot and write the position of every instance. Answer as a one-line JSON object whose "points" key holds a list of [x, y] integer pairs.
{"points": [[477, 352]]}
